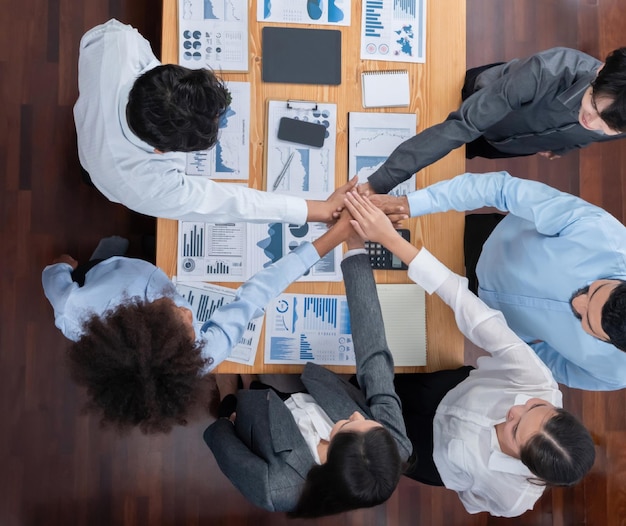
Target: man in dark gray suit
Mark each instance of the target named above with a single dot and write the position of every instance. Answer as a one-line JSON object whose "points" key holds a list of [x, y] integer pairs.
{"points": [[264, 452], [549, 103]]}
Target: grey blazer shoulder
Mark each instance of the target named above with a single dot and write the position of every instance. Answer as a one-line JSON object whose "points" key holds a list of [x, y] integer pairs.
{"points": [[264, 454]]}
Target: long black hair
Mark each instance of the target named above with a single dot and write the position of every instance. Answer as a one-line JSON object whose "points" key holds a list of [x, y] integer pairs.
{"points": [[361, 470], [561, 453]]}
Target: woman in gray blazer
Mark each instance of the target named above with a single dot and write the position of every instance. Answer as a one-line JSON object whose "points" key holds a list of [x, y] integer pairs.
{"points": [[264, 452]]}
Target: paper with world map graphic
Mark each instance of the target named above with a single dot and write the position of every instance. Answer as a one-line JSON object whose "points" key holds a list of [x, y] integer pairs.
{"points": [[393, 30]]}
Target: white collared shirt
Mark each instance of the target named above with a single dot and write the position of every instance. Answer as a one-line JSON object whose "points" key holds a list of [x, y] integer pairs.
{"points": [[126, 169], [312, 421], [466, 450]]}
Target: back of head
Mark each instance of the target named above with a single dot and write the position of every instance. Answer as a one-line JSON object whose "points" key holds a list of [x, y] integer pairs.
{"points": [[614, 316], [361, 470], [562, 453], [139, 365], [176, 109], [611, 83]]}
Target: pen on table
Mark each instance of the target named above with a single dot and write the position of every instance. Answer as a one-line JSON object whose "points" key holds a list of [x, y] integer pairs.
{"points": [[283, 172]]}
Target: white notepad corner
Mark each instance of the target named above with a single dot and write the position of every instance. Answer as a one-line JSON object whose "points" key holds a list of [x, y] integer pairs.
{"points": [[385, 88]]}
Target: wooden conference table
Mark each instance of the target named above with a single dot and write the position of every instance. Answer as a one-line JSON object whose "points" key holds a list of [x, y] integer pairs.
{"points": [[435, 88]]}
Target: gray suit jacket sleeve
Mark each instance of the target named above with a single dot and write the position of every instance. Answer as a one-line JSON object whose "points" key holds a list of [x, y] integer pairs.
{"points": [[524, 82], [374, 363], [239, 464]]}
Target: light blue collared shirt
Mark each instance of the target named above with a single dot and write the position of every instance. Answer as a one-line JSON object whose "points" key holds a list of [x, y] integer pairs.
{"points": [[550, 245], [117, 279]]}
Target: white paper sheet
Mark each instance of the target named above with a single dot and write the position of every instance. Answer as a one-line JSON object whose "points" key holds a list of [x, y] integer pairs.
{"points": [[308, 328], [214, 34], [404, 314], [327, 12], [393, 30], [236, 251], [311, 173], [371, 139]]}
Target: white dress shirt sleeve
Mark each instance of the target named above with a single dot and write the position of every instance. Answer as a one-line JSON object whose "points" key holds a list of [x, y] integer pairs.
{"points": [[482, 325]]}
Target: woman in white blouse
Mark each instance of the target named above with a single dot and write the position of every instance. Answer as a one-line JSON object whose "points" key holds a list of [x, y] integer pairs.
{"points": [[497, 434]]}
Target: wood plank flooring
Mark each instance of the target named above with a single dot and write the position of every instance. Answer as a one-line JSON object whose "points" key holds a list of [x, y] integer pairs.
{"points": [[58, 467]]}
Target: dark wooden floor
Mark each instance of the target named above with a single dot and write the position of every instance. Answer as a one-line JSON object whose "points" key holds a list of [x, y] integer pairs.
{"points": [[57, 467]]}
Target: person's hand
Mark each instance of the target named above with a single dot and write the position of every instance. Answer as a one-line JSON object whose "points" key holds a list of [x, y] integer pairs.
{"points": [[370, 222], [336, 199], [351, 236], [66, 258], [365, 189], [328, 211], [396, 208], [549, 155]]}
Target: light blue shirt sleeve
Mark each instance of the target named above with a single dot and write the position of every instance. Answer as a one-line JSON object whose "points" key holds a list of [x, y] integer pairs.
{"points": [[550, 210], [58, 286], [568, 373], [227, 325]]}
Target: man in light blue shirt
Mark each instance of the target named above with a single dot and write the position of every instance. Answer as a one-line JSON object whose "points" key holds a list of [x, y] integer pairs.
{"points": [[535, 267]]}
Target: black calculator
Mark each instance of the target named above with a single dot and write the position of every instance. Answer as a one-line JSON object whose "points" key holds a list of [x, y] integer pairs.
{"points": [[381, 258]]}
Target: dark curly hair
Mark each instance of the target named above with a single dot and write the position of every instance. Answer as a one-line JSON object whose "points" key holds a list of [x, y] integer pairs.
{"points": [[361, 470], [611, 83], [561, 453], [140, 366], [176, 109]]}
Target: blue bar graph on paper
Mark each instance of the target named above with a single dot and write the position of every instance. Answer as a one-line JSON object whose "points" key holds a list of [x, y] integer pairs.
{"points": [[320, 313], [285, 349], [305, 348], [344, 318], [207, 306], [193, 242], [404, 9], [373, 11]]}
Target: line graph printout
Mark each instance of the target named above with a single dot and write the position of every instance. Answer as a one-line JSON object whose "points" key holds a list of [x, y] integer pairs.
{"points": [[214, 34], [393, 30], [327, 12], [304, 328], [205, 299], [311, 172], [371, 139], [230, 157], [234, 252]]}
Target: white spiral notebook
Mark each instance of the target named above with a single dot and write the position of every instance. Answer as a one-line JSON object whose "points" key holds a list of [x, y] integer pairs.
{"points": [[385, 88]]}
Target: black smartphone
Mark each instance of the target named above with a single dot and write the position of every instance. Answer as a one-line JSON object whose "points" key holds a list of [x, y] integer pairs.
{"points": [[301, 132], [381, 258]]}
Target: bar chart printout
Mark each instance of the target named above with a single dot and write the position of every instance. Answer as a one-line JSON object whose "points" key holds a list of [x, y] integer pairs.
{"points": [[205, 299], [304, 328], [393, 30]]}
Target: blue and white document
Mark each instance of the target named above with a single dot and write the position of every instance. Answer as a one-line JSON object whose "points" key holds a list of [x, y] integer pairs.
{"points": [[304, 328], [371, 139], [213, 34], [234, 252], [318, 12], [393, 30], [310, 172]]}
